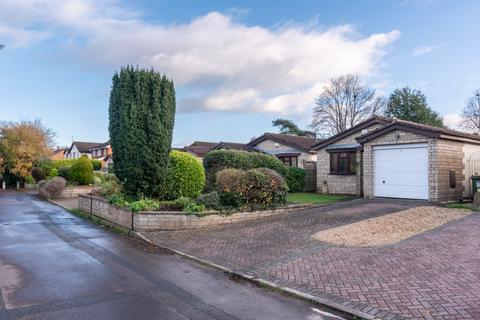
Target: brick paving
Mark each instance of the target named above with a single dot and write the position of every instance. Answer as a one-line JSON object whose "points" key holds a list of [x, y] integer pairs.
{"points": [[434, 275]]}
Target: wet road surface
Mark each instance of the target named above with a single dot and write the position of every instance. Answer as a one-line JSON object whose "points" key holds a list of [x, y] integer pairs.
{"points": [[54, 265]]}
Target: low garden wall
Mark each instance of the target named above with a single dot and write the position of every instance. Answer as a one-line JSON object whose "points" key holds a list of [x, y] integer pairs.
{"points": [[68, 192], [168, 220]]}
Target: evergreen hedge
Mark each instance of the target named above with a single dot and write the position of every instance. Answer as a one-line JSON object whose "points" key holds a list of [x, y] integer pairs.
{"points": [[142, 113], [81, 171], [217, 160], [295, 179], [185, 177]]}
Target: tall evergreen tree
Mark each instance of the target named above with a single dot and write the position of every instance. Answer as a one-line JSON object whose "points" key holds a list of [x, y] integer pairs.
{"points": [[411, 105], [142, 114]]}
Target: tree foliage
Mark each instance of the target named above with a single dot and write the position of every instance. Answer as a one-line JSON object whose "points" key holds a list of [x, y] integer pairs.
{"points": [[81, 171], [185, 178], [344, 103], [411, 105], [142, 113], [286, 126], [21, 144], [471, 113]]}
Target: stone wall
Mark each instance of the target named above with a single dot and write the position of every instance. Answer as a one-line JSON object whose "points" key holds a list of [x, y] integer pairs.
{"points": [[68, 192], [167, 220], [340, 184], [449, 157], [101, 208]]}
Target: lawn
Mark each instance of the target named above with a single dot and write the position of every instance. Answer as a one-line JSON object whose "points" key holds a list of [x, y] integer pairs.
{"points": [[316, 198]]}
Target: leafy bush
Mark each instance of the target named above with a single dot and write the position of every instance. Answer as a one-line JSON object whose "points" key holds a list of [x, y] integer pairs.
{"points": [[81, 171], [53, 173], [185, 176], [54, 187], [145, 204], [64, 172], [193, 207], [63, 163], [217, 160], [106, 185], [97, 164], [209, 200], [258, 188], [295, 179], [29, 179], [38, 174]]}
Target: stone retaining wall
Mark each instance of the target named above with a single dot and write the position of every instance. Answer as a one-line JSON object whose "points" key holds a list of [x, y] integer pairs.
{"points": [[101, 208], [68, 192], [167, 220]]}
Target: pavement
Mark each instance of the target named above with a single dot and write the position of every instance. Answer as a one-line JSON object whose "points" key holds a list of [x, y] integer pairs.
{"points": [[54, 265], [433, 275]]}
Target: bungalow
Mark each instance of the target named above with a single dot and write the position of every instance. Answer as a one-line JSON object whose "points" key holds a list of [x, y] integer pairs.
{"points": [[292, 150], [79, 148], [199, 148], [384, 157]]}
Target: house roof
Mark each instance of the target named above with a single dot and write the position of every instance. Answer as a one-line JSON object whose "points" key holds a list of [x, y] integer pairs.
{"points": [[57, 151], [84, 147], [352, 130], [233, 146], [422, 129], [200, 148], [302, 143], [101, 145]]}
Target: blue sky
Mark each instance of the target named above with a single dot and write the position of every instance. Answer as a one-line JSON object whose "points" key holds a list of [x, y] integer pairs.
{"points": [[237, 65]]}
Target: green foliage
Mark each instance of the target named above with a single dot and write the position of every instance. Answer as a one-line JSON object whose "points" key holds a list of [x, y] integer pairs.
{"points": [[210, 200], [81, 171], [38, 174], [107, 185], [141, 112], [29, 179], [295, 179], [97, 164], [185, 176], [67, 163], [64, 172], [258, 188], [193, 207], [316, 198], [289, 127], [411, 105], [217, 160], [53, 173]]}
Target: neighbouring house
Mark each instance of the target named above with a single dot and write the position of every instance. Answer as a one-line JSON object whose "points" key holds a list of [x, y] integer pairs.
{"points": [[384, 157], [292, 150], [58, 154], [199, 148], [103, 152], [233, 146], [80, 148]]}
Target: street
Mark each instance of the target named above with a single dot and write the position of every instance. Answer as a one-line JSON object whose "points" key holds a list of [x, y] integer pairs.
{"points": [[54, 265]]}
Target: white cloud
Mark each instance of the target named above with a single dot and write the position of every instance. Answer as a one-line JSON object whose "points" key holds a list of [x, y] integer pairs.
{"points": [[228, 65], [453, 121], [426, 49]]}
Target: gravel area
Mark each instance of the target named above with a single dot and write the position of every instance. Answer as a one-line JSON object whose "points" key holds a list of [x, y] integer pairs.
{"points": [[391, 228]]}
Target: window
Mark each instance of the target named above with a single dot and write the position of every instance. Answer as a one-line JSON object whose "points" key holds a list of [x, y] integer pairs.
{"points": [[289, 161], [343, 163]]}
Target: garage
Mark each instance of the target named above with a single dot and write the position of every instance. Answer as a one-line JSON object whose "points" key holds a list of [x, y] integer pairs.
{"points": [[401, 171]]}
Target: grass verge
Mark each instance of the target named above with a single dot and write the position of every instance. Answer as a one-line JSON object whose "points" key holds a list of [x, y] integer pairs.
{"points": [[316, 198]]}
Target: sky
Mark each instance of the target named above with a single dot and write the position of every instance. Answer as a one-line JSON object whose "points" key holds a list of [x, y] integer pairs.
{"points": [[236, 65]]}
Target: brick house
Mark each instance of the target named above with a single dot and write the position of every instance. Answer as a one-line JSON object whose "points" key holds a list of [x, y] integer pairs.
{"points": [[292, 150], [384, 157], [103, 152]]}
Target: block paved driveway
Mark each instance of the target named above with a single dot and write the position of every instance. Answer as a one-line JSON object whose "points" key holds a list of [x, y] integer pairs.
{"points": [[434, 275]]}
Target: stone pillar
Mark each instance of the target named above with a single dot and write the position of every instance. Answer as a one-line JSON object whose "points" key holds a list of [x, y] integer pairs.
{"points": [[3, 185], [18, 184]]}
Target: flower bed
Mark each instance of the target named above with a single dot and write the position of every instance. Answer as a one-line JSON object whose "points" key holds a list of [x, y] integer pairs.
{"points": [[170, 220]]}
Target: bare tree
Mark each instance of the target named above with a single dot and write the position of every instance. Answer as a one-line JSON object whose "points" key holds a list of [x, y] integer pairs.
{"points": [[345, 102], [471, 113]]}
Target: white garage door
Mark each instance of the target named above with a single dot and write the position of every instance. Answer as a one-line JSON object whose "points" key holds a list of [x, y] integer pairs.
{"points": [[401, 171]]}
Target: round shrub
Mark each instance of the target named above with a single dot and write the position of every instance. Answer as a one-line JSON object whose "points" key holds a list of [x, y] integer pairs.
{"points": [[258, 188], [209, 200], [64, 172], [185, 176], [217, 160], [81, 171], [295, 179], [97, 164], [53, 188]]}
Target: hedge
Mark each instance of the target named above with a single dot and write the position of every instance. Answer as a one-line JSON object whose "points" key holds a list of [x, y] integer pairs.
{"points": [[217, 160], [185, 176], [97, 164], [81, 171], [259, 188], [295, 179]]}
